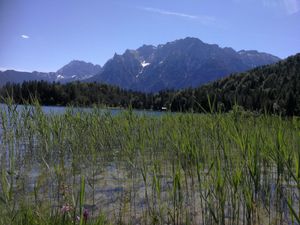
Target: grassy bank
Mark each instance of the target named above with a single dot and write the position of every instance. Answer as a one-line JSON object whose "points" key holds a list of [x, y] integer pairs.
{"points": [[95, 168]]}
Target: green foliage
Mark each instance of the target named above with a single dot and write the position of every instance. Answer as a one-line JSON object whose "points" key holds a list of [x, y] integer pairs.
{"points": [[273, 89], [76, 94], [95, 168]]}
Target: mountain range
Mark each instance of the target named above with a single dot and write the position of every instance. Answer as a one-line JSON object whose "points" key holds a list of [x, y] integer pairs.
{"points": [[75, 70], [179, 64]]}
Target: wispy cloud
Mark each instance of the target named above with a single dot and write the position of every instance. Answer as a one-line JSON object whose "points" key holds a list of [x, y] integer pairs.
{"points": [[24, 36], [290, 6], [272, 3], [202, 19]]}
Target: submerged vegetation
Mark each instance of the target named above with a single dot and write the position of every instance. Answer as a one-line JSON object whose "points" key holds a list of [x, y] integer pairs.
{"points": [[95, 168]]}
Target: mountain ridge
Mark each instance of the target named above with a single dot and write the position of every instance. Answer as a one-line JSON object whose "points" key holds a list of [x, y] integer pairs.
{"points": [[178, 64], [266, 89], [75, 70]]}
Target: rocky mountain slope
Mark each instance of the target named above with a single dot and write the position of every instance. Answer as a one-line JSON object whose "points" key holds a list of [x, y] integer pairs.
{"points": [[179, 64]]}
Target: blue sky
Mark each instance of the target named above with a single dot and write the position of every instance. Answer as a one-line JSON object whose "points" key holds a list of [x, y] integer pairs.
{"points": [[44, 35]]}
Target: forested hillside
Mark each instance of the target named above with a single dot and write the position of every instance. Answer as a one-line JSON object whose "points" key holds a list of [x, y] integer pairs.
{"points": [[273, 89]]}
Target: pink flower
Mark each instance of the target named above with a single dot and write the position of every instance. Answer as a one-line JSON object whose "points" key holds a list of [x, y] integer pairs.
{"points": [[66, 208]]}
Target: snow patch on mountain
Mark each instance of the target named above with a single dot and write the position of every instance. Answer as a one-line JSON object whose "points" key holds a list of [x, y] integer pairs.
{"points": [[86, 77], [144, 64], [60, 77]]}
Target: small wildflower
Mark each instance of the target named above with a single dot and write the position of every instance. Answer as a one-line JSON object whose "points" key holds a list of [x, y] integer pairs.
{"points": [[85, 215], [66, 208]]}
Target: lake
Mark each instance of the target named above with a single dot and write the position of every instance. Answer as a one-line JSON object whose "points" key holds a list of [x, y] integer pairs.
{"points": [[160, 169], [112, 111]]}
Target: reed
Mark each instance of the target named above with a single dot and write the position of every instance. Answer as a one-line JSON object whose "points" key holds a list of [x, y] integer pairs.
{"points": [[92, 167]]}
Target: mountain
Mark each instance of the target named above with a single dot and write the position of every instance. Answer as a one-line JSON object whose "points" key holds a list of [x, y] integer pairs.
{"points": [[270, 88], [175, 65], [13, 76], [179, 64], [75, 70]]}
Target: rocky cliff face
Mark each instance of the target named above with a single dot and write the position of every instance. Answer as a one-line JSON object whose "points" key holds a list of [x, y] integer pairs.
{"points": [[179, 64]]}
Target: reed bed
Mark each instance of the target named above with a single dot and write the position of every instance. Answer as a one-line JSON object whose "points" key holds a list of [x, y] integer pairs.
{"points": [[92, 167]]}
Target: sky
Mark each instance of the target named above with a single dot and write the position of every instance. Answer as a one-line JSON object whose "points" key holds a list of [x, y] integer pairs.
{"points": [[44, 35]]}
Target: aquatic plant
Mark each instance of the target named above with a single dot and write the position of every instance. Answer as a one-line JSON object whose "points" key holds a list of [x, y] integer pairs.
{"points": [[92, 167]]}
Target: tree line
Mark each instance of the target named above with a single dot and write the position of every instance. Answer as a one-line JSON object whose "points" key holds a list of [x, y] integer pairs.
{"points": [[273, 89]]}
